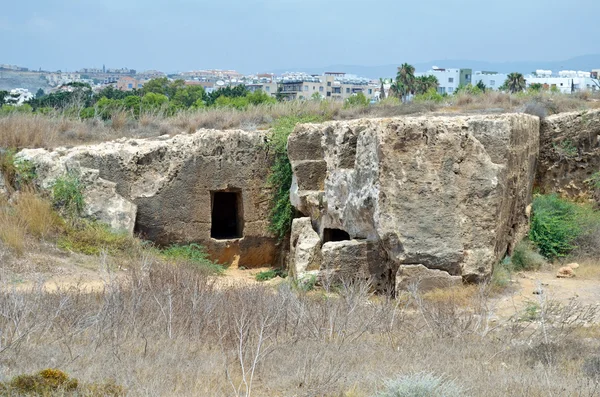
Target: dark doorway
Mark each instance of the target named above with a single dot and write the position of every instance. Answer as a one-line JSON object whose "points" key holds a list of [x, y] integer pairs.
{"points": [[335, 235], [226, 217]]}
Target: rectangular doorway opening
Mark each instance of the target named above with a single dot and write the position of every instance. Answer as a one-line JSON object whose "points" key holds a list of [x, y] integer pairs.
{"points": [[335, 235], [226, 215]]}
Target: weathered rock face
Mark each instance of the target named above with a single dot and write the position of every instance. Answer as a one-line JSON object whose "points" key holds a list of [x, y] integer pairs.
{"points": [[569, 154], [448, 193], [209, 187]]}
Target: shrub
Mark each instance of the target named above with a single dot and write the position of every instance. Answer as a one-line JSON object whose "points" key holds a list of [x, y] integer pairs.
{"points": [[49, 382], [525, 257], [358, 99], [280, 178], [501, 275], [430, 95], [554, 225], [12, 232], [270, 274], [43, 383], [36, 214], [67, 195], [91, 238], [192, 253], [422, 385], [591, 367], [536, 108]]}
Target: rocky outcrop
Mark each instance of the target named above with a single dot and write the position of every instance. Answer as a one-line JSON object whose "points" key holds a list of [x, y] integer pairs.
{"points": [[570, 154], [305, 248], [423, 279], [448, 193], [208, 187]]}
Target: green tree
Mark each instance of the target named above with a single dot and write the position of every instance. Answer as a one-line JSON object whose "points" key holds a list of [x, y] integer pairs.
{"points": [[536, 87], [382, 89], [424, 84], [163, 86], [260, 97], [406, 78], [188, 95], [154, 101], [3, 95], [40, 93], [358, 99], [515, 82], [481, 85]]}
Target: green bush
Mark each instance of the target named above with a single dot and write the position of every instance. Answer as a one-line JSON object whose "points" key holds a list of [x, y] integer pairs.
{"points": [[91, 238], [270, 274], [358, 99], [430, 95], [422, 385], [192, 253], [557, 224], [525, 257], [67, 195], [280, 178]]}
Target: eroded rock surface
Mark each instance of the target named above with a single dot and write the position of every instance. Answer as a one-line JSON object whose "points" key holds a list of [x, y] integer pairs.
{"points": [[448, 193], [165, 189], [570, 154]]}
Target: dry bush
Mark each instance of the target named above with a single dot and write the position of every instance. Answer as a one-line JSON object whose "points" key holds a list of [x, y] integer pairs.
{"points": [[170, 330], [460, 296], [118, 120], [12, 232], [36, 214]]}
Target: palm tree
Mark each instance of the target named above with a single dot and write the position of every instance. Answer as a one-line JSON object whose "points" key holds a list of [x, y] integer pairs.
{"points": [[425, 83], [382, 89], [406, 77], [515, 82]]}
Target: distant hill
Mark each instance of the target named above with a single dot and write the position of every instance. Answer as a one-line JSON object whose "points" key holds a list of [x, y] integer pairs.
{"points": [[584, 62]]}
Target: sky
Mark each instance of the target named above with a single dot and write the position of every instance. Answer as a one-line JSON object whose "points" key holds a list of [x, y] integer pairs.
{"points": [[264, 35]]}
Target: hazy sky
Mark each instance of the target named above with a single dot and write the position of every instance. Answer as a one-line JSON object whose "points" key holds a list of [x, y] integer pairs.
{"points": [[263, 35]]}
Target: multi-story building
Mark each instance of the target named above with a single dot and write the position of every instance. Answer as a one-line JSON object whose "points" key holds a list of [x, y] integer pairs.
{"points": [[492, 80], [567, 81], [129, 83], [332, 85], [449, 79]]}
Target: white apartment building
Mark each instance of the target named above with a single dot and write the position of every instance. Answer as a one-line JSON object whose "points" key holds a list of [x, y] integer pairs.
{"points": [[492, 80], [567, 81], [449, 79]]}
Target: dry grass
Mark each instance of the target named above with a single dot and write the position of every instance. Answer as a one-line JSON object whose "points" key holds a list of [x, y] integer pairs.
{"points": [[589, 269], [13, 232], [36, 214], [463, 296], [19, 130], [167, 330]]}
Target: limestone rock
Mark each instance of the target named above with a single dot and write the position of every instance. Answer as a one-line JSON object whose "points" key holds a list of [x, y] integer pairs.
{"points": [[305, 248], [424, 279], [565, 272], [171, 183], [569, 154], [449, 193], [573, 265]]}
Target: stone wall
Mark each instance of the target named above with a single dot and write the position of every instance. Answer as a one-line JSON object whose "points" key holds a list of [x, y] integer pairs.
{"points": [[569, 154], [162, 188], [448, 193]]}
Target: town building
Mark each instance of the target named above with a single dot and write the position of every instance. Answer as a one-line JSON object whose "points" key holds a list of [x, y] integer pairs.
{"points": [[331, 85], [492, 80], [129, 83], [566, 81], [449, 79]]}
